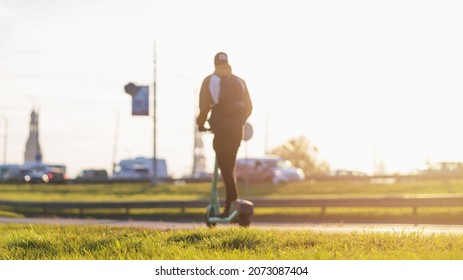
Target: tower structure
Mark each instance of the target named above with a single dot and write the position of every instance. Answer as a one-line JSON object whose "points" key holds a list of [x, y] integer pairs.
{"points": [[199, 160], [33, 152]]}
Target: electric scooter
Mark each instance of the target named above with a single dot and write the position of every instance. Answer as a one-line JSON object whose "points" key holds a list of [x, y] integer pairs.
{"points": [[240, 212]]}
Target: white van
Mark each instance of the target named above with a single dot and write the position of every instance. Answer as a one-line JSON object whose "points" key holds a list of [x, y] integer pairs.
{"points": [[139, 169], [267, 169]]}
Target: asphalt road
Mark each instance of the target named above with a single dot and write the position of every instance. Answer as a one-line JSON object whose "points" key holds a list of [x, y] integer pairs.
{"points": [[326, 228]]}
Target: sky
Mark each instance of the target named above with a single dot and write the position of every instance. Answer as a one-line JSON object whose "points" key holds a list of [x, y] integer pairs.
{"points": [[365, 81]]}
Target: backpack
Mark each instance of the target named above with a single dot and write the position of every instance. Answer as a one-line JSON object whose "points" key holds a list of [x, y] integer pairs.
{"points": [[230, 112]]}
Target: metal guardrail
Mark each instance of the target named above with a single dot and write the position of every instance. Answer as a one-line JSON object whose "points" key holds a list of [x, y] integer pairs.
{"points": [[388, 201], [414, 201], [397, 178]]}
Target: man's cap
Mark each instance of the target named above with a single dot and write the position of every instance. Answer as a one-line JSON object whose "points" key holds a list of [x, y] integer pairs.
{"points": [[221, 58]]}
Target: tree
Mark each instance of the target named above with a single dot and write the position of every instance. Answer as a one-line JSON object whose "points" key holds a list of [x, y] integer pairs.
{"points": [[302, 154]]}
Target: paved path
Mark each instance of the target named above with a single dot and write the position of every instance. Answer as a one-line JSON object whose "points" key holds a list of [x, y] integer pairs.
{"points": [[329, 228]]}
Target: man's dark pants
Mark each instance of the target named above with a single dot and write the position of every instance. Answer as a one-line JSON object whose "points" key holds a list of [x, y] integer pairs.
{"points": [[226, 144]]}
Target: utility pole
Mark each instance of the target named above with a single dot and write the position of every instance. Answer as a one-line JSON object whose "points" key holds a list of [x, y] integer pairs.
{"points": [[154, 179], [199, 160], [116, 138]]}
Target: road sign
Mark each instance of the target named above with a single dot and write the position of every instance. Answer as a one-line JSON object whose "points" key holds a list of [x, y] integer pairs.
{"points": [[140, 99]]}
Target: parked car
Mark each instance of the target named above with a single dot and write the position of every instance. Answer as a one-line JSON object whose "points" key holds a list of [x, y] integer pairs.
{"points": [[140, 169], [6, 170], [92, 176], [33, 174], [56, 174], [443, 168], [348, 173], [197, 177], [36, 173], [269, 169]]}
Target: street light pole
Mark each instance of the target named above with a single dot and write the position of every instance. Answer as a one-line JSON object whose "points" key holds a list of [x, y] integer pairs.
{"points": [[154, 179], [116, 138]]}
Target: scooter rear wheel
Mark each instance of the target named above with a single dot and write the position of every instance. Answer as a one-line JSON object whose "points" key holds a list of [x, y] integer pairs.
{"points": [[210, 213], [244, 219]]}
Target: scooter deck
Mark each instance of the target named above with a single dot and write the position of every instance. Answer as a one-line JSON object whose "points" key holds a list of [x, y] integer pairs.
{"points": [[229, 219]]}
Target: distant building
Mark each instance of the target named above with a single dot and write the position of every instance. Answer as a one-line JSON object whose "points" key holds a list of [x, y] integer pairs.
{"points": [[33, 152], [199, 160]]}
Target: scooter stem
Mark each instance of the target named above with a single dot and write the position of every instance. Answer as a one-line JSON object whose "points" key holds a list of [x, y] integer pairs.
{"points": [[214, 191]]}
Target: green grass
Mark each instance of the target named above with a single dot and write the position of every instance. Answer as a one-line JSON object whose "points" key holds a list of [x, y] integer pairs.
{"points": [[27, 242], [144, 191], [103, 192], [10, 214]]}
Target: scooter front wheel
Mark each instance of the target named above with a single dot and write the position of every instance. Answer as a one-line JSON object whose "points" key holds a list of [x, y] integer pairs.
{"points": [[210, 213], [244, 219]]}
